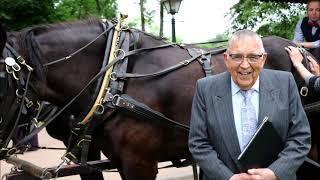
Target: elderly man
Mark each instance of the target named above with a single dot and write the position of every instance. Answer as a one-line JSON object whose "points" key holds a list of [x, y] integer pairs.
{"points": [[220, 129]]}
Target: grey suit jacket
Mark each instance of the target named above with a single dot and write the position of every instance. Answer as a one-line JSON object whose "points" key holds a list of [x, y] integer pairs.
{"points": [[213, 139]]}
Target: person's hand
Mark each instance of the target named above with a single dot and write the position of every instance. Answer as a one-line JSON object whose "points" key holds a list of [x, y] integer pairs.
{"points": [[264, 173], [299, 44], [295, 55], [245, 176], [314, 66]]}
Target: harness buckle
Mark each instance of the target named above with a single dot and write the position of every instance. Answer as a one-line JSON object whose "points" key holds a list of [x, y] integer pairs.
{"points": [[12, 151], [82, 141], [304, 91], [302, 50], [28, 102], [37, 123], [115, 99], [68, 157]]}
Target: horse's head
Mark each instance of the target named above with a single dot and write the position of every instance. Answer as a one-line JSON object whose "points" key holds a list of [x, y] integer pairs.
{"points": [[11, 87], [4, 81]]}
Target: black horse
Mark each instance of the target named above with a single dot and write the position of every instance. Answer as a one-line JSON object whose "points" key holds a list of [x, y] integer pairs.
{"points": [[134, 144]]}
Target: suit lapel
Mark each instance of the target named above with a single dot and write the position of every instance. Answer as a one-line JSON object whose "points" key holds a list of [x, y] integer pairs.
{"points": [[268, 95], [222, 101]]}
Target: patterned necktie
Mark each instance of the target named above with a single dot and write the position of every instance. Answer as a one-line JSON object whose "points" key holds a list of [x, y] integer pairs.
{"points": [[248, 117]]}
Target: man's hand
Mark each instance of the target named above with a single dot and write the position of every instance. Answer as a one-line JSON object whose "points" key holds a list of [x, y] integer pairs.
{"points": [[295, 55], [314, 66], [245, 176], [264, 173]]}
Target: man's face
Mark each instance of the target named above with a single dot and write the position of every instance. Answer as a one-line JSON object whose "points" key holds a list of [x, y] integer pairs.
{"points": [[314, 10], [244, 60]]}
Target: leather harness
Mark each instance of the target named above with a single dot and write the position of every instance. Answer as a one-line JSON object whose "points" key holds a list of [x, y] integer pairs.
{"points": [[113, 98]]}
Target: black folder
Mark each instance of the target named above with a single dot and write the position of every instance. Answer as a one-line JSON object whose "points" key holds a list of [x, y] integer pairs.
{"points": [[262, 149]]}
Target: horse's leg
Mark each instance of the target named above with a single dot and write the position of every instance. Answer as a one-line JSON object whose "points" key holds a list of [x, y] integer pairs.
{"points": [[316, 137], [137, 168], [314, 151], [133, 146]]}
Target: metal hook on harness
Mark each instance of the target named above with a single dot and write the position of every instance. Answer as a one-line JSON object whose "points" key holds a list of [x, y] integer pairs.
{"points": [[23, 62], [304, 91], [17, 94], [11, 71]]}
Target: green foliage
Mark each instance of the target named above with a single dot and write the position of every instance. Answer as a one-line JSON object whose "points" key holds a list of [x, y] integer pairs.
{"points": [[80, 9], [215, 42], [267, 18], [17, 14]]}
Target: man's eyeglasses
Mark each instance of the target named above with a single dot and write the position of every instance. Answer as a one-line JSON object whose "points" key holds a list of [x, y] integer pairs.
{"points": [[252, 58]]}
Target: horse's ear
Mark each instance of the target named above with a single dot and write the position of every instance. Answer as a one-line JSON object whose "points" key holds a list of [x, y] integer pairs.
{"points": [[3, 37]]}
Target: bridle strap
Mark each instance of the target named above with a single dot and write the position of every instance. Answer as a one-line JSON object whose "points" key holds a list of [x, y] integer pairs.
{"points": [[20, 110], [167, 70]]}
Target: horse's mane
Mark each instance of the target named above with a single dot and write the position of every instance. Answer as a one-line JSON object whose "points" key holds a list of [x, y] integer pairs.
{"points": [[31, 48], [151, 35]]}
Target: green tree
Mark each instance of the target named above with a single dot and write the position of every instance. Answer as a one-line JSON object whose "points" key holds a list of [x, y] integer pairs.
{"points": [[267, 18], [146, 16], [17, 14], [79, 9], [142, 12]]}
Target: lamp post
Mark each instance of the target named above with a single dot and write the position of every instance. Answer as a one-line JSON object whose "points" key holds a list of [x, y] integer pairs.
{"points": [[172, 7]]}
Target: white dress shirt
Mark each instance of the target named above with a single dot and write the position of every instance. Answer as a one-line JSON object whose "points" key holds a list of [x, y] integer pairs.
{"points": [[237, 100]]}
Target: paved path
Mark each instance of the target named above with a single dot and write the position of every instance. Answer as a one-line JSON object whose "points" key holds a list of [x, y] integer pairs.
{"points": [[51, 158]]}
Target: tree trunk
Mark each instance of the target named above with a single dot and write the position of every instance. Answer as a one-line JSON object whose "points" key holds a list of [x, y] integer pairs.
{"points": [[142, 15], [161, 20], [98, 7]]}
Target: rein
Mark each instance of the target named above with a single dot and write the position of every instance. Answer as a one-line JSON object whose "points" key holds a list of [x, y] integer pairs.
{"points": [[167, 70], [110, 26], [102, 71]]}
